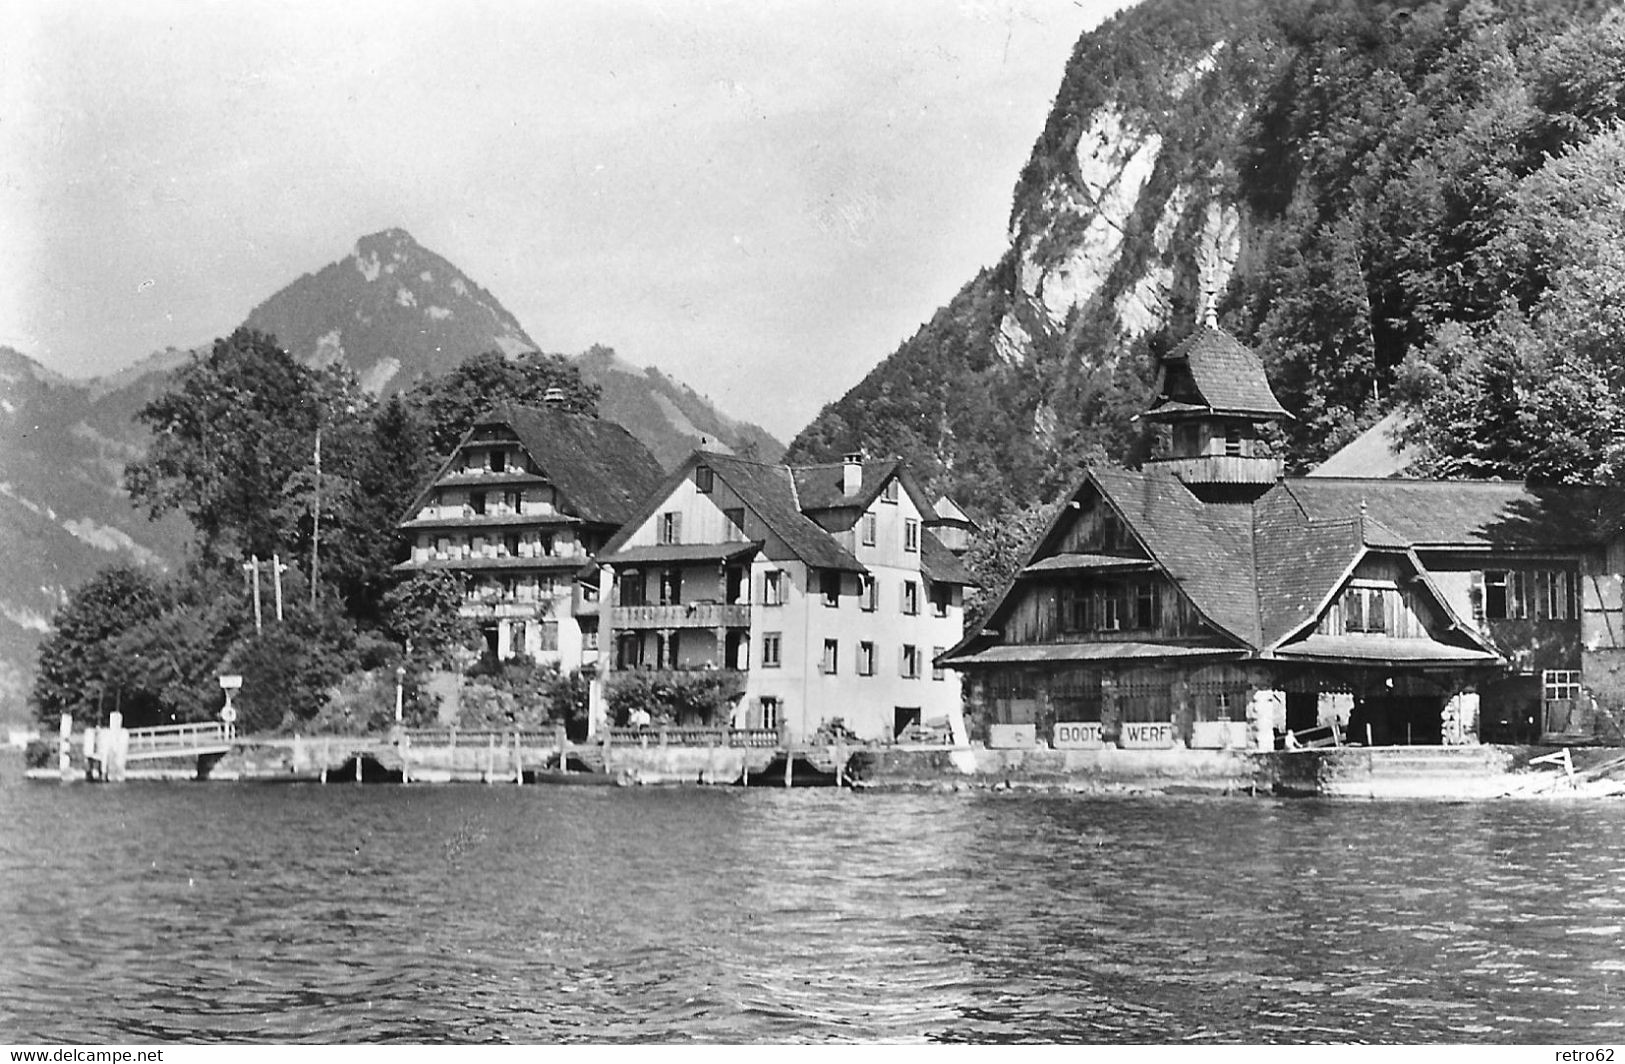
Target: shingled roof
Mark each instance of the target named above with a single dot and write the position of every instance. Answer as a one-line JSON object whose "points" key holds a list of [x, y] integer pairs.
{"points": [[1207, 550], [602, 471], [821, 486], [770, 493], [1469, 514], [1211, 371]]}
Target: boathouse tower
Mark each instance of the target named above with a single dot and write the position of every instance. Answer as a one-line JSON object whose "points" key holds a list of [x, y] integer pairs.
{"points": [[1212, 392]]}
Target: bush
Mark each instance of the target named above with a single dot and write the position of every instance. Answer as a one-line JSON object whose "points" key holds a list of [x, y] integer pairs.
{"points": [[40, 753], [522, 694], [703, 698]]}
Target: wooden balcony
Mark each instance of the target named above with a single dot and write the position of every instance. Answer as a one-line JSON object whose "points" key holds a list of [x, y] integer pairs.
{"points": [[686, 615], [503, 609], [1220, 469]]}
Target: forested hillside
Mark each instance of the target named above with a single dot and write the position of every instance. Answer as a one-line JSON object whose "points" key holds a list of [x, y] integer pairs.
{"points": [[1394, 203]]}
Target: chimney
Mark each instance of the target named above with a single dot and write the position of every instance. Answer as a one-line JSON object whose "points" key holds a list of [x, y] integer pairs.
{"points": [[851, 473], [553, 397]]}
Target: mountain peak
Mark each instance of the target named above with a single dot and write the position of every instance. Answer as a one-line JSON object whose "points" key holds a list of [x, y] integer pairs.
{"points": [[392, 310]]}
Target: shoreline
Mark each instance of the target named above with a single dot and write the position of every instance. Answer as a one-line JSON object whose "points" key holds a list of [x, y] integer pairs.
{"points": [[1465, 773]]}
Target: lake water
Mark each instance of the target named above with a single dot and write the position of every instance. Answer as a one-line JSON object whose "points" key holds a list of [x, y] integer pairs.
{"points": [[467, 913]]}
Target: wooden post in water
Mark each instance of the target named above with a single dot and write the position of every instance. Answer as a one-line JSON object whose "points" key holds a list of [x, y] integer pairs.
{"points": [[298, 746], [840, 765], [64, 745], [518, 762], [117, 744], [358, 768], [789, 764], [406, 759]]}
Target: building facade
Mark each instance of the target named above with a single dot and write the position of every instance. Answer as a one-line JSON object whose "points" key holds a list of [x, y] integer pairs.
{"points": [[1207, 601], [821, 590], [526, 499]]}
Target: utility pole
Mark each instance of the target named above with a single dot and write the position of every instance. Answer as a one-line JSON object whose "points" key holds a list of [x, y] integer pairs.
{"points": [[251, 569], [277, 569], [316, 523]]}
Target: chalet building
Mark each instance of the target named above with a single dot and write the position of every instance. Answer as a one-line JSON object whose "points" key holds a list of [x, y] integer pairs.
{"points": [[823, 590], [526, 499], [1207, 601]]}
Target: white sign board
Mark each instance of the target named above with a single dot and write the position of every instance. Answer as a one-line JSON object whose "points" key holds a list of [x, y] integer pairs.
{"points": [[231, 683], [1148, 735], [1078, 735], [1012, 736]]}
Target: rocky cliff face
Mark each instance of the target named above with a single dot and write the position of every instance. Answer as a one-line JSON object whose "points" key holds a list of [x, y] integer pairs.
{"points": [[1126, 229], [1331, 181]]}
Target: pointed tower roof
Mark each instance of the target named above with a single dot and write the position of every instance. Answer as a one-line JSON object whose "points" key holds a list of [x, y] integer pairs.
{"points": [[1211, 372]]}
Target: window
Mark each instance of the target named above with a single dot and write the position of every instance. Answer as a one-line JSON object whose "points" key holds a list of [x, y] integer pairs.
{"points": [[937, 671], [1365, 609], [1077, 612], [832, 658], [1560, 685], [516, 641], [669, 528], [736, 522], [1112, 610], [773, 587], [911, 534], [869, 523], [499, 461], [829, 586], [889, 492], [866, 658], [942, 596], [1147, 603], [868, 595], [704, 479], [1232, 441], [510, 544], [632, 587], [666, 650], [1542, 594], [911, 662], [772, 712], [770, 649], [476, 499], [628, 651], [589, 638], [671, 587], [911, 597]]}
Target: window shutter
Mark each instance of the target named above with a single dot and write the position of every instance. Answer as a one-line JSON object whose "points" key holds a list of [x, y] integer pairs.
{"points": [[1475, 595], [677, 526]]}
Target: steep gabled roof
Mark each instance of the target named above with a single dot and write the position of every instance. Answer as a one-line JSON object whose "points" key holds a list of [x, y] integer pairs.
{"points": [[819, 487], [769, 491], [941, 565], [1466, 514], [1207, 550], [1227, 378], [602, 471], [1300, 562]]}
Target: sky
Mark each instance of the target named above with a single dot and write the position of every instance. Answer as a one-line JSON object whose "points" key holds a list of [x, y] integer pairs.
{"points": [[763, 199]]}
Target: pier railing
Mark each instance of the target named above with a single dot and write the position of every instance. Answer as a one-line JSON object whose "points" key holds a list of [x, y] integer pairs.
{"points": [[694, 736]]}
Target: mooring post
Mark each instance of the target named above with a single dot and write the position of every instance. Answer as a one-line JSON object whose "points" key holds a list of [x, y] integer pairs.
{"points": [[789, 764], [64, 745], [358, 768], [406, 759], [840, 765], [118, 741]]}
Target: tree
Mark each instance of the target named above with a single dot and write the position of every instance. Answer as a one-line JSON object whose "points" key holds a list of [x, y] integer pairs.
{"points": [[82, 664], [228, 435], [423, 610]]}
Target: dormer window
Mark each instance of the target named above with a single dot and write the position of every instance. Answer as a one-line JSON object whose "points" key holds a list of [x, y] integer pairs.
{"points": [[499, 461], [704, 479], [889, 492]]}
